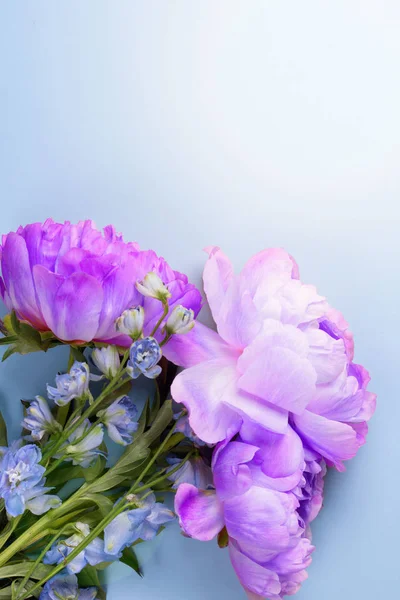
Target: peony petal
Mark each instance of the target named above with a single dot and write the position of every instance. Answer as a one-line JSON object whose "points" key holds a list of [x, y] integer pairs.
{"points": [[202, 389], [18, 281], [258, 581], [71, 307], [250, 407], [217, 276], [199, 345], [327, 355], [200, 512], [273, 368], [333, 440], [232, 476]]}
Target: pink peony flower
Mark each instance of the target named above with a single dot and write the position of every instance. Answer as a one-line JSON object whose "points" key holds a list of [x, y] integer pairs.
{"points": [[282, 358]]}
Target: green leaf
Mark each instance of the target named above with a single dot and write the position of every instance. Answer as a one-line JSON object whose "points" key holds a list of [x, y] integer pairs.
{"points": [[10, 350], [88, 577], [22, 568], [129, 558], [10, 339], [15, 323], [161, 422], [62, 474], [97, 468], [3, 431], [105, 504]]}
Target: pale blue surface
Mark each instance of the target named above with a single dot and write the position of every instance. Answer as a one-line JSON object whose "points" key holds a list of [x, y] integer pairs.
{"points": [[243, 124]]}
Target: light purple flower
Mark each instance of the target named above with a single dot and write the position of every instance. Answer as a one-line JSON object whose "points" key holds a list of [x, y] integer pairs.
{"points": [[82, 446], [144, 358], [65, 587], [93, 554], [22, 481], [194, 471], [142, 523], [75, 280], [39, 420], [74, 384], [282, 357], [106, 360], [268, 544], [120, 420]]}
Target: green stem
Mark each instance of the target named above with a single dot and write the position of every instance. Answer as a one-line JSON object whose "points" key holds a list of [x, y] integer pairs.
{"points": [[39, 558], [161, 319], [165, 476], [153, 460]]}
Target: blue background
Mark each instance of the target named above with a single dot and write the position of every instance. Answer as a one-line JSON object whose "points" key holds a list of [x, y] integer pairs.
{"points": [[242, 124]]}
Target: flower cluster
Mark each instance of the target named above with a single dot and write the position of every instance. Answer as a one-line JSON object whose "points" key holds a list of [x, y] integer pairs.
{"points": [[265, 404], [278, 391]]}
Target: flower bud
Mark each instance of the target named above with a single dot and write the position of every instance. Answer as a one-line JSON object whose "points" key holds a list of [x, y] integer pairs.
{"points": [[131, 322], [181, 320], [153, 287], [144, 357], [107, 360]]}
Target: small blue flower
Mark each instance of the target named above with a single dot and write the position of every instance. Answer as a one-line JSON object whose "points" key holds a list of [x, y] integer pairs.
{"points": [[65, 587], [140, 523], [39, 420], [22, 482], [83, 444], [120, 420], [144, 356], [74, 384], [183, 426], [93, 554], [107, 360], [193, 471]]}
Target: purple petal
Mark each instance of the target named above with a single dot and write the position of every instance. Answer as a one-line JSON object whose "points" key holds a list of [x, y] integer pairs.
{"points": [[259, 581], [71, 307], [333, 440], [217, 276], [200, 512], [17, 276]]}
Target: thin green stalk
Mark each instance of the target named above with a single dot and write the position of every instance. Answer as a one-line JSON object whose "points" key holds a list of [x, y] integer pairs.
{"points": [[39, 558], [161, 319], [153, 460]]}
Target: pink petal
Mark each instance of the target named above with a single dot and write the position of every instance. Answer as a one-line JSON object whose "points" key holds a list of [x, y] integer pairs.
{"points": [[202, 389], [217, 276], [327, 355], [199, 345], [238, 320], [200, 512], [274, 369], [71, 307]]}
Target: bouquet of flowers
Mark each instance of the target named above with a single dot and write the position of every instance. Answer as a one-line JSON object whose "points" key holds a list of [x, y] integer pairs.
{"points": [[242, 435]]}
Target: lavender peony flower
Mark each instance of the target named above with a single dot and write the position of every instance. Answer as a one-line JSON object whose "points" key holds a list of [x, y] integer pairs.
{"points": [[267, 539], [76, 281], [282, 359]]}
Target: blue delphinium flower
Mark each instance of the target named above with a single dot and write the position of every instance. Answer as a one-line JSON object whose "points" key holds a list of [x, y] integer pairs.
{"points": [[93, 554], [142, 523], [143, 358], [183, 426], [74, 384], [22, 485], [39, 420], [120, 420], [65, 587], [193, 471], [82, 446]]}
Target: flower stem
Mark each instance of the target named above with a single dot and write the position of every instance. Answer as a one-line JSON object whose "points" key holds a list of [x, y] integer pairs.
{"points": [[161, 319]]}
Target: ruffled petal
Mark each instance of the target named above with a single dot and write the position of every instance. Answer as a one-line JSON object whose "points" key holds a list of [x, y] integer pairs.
{"points": [[202, 390], [334, 441]]}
